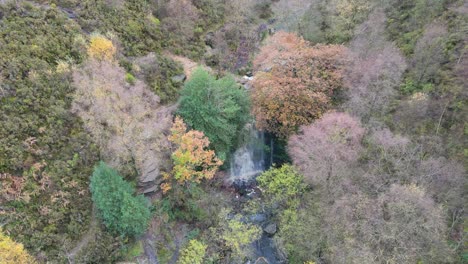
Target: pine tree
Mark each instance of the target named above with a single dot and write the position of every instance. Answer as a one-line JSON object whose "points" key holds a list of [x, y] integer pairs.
{"points": [[121, 211]]}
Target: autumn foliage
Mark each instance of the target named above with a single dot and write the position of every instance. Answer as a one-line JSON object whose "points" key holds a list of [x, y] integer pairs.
{"points": [[101, 48], [295, 82], [192, 159], [12, 252]]}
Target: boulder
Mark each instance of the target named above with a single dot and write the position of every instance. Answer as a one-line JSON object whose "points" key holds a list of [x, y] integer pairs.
{"points": [[257, 218], [270, 229], [179, 78]]}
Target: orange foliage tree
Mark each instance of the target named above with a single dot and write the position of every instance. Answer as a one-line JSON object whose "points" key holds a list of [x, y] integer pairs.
{"points": [[295, 82], [192, 159]]}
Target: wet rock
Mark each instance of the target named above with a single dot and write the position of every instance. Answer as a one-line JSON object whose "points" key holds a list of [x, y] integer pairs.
{"points": [[261, 260], [270, 229], [179, 78], [257, 218]]}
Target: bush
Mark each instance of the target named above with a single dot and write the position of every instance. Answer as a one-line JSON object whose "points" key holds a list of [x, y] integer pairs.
{"points": [[122, 212], [158, 72], [130, 78], [129, 21], [42, 144], [217, 107]]}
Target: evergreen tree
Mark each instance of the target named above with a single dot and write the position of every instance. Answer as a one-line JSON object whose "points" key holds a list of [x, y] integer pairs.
{"points": [[217, 107], [121, 211]]}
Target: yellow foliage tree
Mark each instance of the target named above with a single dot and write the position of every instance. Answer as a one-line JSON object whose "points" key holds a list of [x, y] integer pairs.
{"points": [[193, 253], [101, 48], [192, 160], [12, 252]]}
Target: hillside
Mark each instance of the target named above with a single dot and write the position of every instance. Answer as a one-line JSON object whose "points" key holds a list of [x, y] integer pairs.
{"points": [[243, 131]]}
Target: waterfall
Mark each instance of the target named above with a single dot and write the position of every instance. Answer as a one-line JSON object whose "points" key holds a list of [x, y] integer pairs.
{"points": [[248, 161]]}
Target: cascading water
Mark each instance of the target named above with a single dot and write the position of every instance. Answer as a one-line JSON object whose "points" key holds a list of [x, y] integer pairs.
{"points": [[249, 160]]}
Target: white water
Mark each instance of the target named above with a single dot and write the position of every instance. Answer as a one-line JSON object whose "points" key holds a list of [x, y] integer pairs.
{"points": [[249, 160]]}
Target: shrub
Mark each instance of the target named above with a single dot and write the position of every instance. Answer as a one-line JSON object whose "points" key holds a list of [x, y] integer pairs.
{"points": [[158, 72], [42, 144], [130, 78], [121, 211]]}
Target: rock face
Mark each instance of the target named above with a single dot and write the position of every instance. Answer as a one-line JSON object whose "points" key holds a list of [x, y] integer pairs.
{"points": [[270, 229], [179, 78]]}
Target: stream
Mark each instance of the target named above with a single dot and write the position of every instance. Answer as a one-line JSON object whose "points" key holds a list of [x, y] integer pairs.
{"points": [[247, 162]]}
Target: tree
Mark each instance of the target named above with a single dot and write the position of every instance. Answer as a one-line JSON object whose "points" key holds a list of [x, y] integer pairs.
{"points": [[429, 53], [281, 184], [121, 211], [218, 108], [343, 16], [409, 161], [299, 83], [233, 236], [408, 18], [125, 120], [323, 150], [401, 225], [375, 71], [101, 48], [192, 160], [179, 21], [322, 21], [12, 252], [193, 253]]}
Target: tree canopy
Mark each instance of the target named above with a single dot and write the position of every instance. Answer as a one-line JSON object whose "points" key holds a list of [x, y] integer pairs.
{"points": [[296, 82], [121, 211], [217, 107]]}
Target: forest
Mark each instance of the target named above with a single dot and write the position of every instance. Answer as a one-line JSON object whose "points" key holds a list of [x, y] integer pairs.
{"points": [[233, 131]]}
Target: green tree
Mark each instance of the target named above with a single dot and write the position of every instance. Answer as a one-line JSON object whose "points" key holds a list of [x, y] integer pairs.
{"points": [[281, 184], [217, 107], [232, 236], [193, 253], [121, 211]]}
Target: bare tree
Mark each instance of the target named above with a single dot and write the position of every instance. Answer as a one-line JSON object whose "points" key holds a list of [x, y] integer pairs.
{"points": [[401, 225], [429, 53], [376, 69], [325, 148], [123, 119]]}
